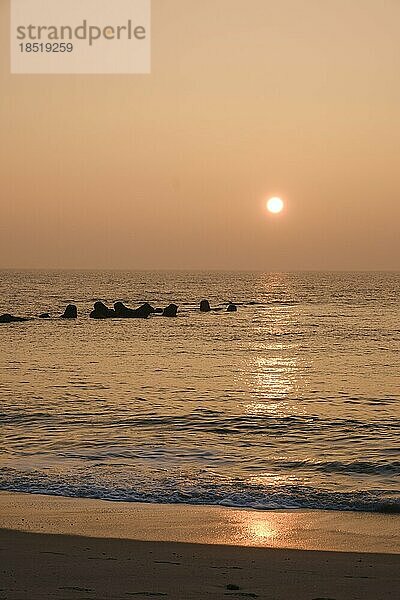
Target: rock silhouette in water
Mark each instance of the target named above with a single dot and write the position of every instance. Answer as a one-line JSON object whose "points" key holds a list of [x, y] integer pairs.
{"points": [[231, 307], [148, 306], [144, 311], [101, 311], [71, 312], [123, 312], [44, 316], [170, 311], [7, 318], [205, 306]]}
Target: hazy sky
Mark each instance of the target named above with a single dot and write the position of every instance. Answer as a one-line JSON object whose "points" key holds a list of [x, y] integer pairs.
{"points": [[247, 99]]}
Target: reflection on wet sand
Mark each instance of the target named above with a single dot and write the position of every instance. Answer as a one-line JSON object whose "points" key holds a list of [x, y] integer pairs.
{"points": [[308, 530]]}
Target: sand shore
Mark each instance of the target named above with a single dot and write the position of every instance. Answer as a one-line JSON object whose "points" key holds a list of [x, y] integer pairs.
{"points": [[62, 548]]}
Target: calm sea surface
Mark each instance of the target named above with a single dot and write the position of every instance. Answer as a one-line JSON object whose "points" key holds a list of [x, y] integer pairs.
{"points": [[293, 401]]}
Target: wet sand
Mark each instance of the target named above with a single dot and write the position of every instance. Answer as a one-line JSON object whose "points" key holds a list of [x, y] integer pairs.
{"points": [[65, 548]]}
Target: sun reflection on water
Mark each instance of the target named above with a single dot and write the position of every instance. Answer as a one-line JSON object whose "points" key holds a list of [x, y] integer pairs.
{"points": [[275, 376], [274, 386]]}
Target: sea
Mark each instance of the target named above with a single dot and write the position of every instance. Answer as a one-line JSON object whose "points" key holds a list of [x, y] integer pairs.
{"points": [[292, 402]]}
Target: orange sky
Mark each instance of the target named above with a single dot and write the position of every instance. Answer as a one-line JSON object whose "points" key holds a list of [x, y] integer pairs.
{"points": [[247, 99]]}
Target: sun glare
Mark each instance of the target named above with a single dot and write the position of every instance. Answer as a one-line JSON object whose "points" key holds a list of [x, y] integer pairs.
{"points": [[275, 205]]}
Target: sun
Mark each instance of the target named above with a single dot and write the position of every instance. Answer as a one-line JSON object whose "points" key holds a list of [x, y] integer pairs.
{"points": [[275, 205]]}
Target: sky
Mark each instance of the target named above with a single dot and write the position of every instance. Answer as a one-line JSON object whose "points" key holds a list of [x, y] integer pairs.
{"points": [[247, 99]]}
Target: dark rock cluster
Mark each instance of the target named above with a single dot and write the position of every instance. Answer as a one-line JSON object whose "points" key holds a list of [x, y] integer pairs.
{"points": [[205, 307], [120, 311]]}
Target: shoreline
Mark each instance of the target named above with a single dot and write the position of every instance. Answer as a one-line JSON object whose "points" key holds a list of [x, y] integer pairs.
{"points": [[57, 548], [317, 530]]}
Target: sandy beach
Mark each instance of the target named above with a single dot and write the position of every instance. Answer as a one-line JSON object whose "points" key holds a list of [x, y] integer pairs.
{"points": [[66, 548]]}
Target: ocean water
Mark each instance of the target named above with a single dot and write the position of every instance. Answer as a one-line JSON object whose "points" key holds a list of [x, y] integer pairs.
{"points": [[292, 402]]}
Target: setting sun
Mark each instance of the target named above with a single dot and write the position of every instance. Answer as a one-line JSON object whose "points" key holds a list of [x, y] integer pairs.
{"points": [[275, 205]]}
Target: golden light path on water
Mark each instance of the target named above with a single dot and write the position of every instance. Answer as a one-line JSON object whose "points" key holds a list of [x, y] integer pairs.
{"points": [[275, 379], [275, 383]]}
